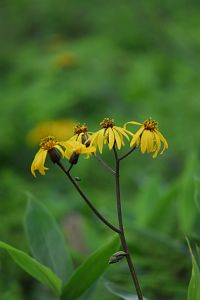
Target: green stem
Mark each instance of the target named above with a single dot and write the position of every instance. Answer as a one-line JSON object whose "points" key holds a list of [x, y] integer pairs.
{"points": [[121, 227], [127, 154], [95, 211], [104, 164]]}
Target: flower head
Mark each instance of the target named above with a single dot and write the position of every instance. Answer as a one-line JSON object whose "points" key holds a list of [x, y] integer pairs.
{"points": [[109, 134], [74, 148], [47, 145], [81, 133], [148, 137], [64, 60]]}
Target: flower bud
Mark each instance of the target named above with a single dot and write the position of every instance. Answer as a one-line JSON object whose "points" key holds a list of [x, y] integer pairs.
{"points": [[116, 257], [74, 158], [55, 155], [84, 138]]}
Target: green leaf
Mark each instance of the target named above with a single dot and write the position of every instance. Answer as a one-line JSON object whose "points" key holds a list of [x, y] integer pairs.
{"points": [[46, 240], [90, 270], [194, 285], [34, 268], [187, 208], [116, 290], [197, 193]]}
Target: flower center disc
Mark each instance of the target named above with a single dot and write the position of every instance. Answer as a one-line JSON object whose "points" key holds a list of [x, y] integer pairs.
{"points": [[150, 125], [107, 122], [79, 128], [48, 143]]}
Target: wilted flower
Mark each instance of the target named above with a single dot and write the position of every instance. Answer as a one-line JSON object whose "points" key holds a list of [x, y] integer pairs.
{"points": [[148, 137], [110, 134]]}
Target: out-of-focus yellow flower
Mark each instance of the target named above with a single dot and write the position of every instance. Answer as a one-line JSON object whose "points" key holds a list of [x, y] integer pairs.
{"points": [[81, 133], [66, 59], [148, 137], [75, 148], [46, 145], [60, 129], [109, 134]]}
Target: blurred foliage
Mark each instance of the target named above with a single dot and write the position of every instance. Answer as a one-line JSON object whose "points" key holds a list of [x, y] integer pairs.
{"points": [[83, 61]]}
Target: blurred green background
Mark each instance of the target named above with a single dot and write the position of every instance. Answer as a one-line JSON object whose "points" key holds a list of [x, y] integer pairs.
{"points": [[82, 61]]}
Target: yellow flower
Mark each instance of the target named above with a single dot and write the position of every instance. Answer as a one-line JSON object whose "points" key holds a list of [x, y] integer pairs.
{"points": [[110, 134], [67, 59], [81, 133], [74, 148], [60, 129], [46, 146], [148, 137]]}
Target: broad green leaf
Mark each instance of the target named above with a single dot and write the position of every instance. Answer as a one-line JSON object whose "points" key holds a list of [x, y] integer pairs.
{"points": [[46, 240], [34, 268], [89, 293], [116, 290], [194, 285], [90, 270]]}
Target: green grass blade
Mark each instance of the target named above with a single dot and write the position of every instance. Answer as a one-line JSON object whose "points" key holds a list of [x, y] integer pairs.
{"points": [[194, 285]]}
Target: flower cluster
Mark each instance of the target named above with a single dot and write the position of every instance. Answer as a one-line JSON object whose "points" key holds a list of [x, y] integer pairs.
{"points": [[148, 138]]}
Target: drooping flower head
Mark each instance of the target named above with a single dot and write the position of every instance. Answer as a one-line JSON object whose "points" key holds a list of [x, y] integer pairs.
{"points": [[148, 137], [81, 134], [109, 134], [47, 145], [74, 148]]}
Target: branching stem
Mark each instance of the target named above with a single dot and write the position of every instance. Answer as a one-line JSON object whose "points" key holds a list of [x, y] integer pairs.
{"points": [[104, 164], [95, 211], [127, 154]]}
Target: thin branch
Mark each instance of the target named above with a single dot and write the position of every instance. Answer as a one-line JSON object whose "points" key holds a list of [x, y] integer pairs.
{"points": [[127, 154], [104, 164], [95, 211]]}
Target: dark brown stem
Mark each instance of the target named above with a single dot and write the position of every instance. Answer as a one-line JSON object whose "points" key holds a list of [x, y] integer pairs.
{"points": [[127, 154], [121, 227], [95, 211], [104, 164]]}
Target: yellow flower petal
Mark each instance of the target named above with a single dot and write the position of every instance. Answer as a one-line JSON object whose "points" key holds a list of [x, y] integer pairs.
{"points": [[144, 140], [88, 150], [74, 137], [150, 140], [137, 136], [162, 140], [111, 138], [38, 162], [117, 139], [158, 145], [122, 131], [93, 138], [100, 140], [121, 137], [132, 122]]}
